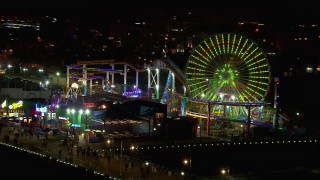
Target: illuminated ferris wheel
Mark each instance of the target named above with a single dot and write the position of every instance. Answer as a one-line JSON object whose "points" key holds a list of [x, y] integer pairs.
{"points": [[228, 67]]}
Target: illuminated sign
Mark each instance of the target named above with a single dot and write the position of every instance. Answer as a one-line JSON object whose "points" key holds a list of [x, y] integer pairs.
{"points": [[65, 118], [13, 105], [16, 105], [16, 111], [41, 109], [4, 104], [88, 104]]}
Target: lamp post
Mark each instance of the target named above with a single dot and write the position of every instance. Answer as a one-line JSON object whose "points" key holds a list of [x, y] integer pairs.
{"points": [[81, 112], [72, 125], [48, 114], [87, 112], [9, 67], [56, 108], [120, 156], [86, 126], [47, 82], [108, 157], [67, 135], [225, 171], [40, 72], [24, 71], [187, 162], [58, 74]]}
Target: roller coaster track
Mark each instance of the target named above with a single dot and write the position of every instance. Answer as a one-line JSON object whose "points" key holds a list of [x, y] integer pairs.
{"points": [[109, 62], [176, 70], [172, 67], [167, 63]]}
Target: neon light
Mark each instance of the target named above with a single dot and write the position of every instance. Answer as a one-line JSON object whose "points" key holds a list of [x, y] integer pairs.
{"points": [[16, 105], [41, 109], [4, 104], [228, 64], [88, 104]]}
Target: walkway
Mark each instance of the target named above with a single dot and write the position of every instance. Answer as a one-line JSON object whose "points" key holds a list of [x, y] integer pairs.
{"points": [[112, 164]]}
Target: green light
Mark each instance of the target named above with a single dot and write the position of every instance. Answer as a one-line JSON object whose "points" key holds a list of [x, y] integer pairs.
{"points": [[235, 66]]}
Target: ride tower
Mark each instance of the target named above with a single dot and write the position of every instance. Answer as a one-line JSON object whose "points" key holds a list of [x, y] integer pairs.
{"points": [[154, 78]]}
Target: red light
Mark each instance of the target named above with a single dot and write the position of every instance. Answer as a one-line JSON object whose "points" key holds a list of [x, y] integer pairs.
{"points": [[257, 30]]}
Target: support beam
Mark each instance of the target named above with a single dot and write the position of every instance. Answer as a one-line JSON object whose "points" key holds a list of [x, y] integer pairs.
{"points": [[248, 122], [275, 104], [157, 83], [153, 82], [85, 76], [102, 83], [208, 119], [173, 84], [173, 91], [149, 83], [125, 79], [137, 79], [107, 82], [112, 75], [91, 87], [68, 77]]}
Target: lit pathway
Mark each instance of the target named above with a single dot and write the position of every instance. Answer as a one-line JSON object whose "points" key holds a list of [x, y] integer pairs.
{"points": [[114, 167]]}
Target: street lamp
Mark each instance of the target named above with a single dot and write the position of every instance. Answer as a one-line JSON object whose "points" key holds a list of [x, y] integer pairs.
{"points": [[58, 74], [47, 82], [81, 112], [187, 162], [120, 156], [57, 115], [108, 157], [24, 71], [225, 171], [86, 126], [9, 67], [87, 112], [67, 135], [72, 125]]}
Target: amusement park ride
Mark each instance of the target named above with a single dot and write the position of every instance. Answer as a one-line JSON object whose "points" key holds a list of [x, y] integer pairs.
{"points": [[227, 77]]}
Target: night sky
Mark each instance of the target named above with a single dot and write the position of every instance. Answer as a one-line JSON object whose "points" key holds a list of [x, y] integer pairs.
{"points": [[268, 10]]}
